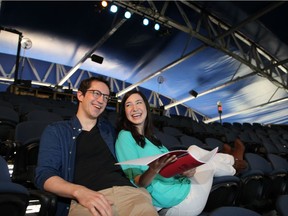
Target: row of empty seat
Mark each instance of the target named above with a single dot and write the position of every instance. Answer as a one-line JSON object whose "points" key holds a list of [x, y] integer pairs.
{"points": [[258, 188]]}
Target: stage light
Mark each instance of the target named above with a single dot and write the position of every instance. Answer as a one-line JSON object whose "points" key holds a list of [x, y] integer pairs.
{"points": [[193, 93], [127, 14], [156, 26], [113, 8], [145, 21], [97, 59], [104, 4]]}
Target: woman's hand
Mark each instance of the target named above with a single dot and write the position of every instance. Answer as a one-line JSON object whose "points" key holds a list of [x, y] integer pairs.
{"points": [[189, 173], [146, 178], [157, 165]]}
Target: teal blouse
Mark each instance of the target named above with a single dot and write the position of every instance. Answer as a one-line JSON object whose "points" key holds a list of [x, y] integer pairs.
{"points": [[165, 192]]}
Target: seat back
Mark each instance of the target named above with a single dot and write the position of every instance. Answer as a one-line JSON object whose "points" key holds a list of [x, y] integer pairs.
{"points": [[213, 143], [252, 184], [27, 138], [269, 184], [274, 179], [282, 205], [42, 115], [224, 192], [14, 198], [172, 131], [234, 210], [8, 120], [169, 141], [187, 141], [280, 166]]}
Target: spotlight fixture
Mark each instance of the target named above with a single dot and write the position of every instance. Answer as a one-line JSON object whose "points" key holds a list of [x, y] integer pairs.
{"points": [[156, 26], [193, 93], [104, 4], [145, 21], [113, 8], [127, 14], [97, 59], [101, 6]]}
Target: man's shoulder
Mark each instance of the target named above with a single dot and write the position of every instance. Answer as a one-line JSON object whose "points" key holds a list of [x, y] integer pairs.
{"points": [[104, 122], [71, 123]]}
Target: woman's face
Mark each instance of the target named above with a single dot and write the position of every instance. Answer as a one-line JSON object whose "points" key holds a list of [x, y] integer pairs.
{"points": [[135, 110]]}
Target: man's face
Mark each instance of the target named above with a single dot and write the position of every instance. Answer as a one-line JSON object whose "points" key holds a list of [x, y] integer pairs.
{"points": [[95, 100]]}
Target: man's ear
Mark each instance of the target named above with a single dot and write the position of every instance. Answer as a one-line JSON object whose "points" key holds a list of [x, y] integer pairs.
{"points": [[80, 96]]}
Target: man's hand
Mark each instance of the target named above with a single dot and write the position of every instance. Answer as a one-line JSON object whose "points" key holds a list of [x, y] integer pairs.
{"points": [[94, 201]]}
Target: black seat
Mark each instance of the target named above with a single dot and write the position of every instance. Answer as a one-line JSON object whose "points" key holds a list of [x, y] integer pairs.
{"points": [[282, 205], [281, 165], [9, 118], [42, 115], [27, 138], [188, 140], [270, 184], [224, 192], [213, 143], [233, 211], [252, 181], [169, 141], [14, 198]]}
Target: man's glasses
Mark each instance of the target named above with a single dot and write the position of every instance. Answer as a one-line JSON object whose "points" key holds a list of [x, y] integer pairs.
{"points": [[97, 94]]}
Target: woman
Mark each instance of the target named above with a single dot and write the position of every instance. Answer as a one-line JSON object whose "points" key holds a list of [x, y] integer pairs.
{"points": [[184, 194]]}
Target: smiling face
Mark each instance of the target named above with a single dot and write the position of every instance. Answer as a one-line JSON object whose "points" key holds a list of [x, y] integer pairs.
{"points": [[91, 106], [136, 111]]}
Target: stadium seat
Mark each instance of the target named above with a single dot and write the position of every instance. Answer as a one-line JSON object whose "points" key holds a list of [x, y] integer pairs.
{"points": [[224, 192], [234, 210], [27, 137], [282, 205], [14, 198], [269, 185], [42, 115]]}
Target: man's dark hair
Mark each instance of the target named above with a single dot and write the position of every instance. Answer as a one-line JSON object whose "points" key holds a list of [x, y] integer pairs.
{"points": [[86, 83]]}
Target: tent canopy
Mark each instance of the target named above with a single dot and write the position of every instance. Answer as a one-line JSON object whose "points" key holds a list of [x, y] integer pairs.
{"points": [[229, 52]]}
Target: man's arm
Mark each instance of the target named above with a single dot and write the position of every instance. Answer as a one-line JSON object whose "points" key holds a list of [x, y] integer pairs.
{"points": [[92, 200]]}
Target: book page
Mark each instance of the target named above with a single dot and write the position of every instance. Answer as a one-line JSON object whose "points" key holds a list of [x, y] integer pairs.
{"points": [[203, 155]]}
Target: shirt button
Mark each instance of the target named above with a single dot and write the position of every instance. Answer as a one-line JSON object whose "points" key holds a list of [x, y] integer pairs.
{"points": [[73, 137]]}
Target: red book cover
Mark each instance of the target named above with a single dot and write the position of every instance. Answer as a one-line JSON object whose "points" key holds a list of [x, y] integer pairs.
{"points": [[184, 162]]}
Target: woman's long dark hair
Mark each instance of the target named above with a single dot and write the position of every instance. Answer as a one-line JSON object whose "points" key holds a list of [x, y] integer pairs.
{"points": [[124, 124]]}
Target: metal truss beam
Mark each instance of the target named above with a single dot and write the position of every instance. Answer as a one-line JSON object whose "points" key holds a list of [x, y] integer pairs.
{"points": [[217, 34]]}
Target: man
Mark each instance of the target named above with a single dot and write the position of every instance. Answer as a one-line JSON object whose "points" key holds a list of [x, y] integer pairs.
{"points": [[76, 162]]}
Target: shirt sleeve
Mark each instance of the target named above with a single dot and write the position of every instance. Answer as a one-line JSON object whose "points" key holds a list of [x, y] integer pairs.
{"points": [[49, 157]]}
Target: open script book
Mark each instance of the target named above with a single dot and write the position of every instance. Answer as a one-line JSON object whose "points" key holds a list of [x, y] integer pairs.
{"points": [[186, 159]]}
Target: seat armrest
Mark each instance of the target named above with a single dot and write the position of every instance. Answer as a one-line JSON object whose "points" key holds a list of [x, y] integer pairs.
{"points": [[48, 202]]}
